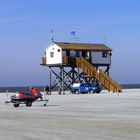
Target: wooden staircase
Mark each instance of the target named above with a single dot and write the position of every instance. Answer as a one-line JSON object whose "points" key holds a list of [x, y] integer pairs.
{"points": [[102, 77]]}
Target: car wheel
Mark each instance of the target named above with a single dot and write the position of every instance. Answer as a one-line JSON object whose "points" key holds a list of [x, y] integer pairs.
{"points": [[77, 92], [16, 105], [91, 91], [98, 91]]}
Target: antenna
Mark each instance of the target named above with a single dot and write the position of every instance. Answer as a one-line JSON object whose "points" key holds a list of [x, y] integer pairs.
{"points": [[104, 40], [52, 35]]}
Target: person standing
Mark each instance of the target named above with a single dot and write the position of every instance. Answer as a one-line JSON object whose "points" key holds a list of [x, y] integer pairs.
{"points": [[47, 90]]}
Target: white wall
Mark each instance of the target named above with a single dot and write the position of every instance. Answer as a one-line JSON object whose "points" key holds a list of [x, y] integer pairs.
{"points": [[53, 54], [98, 59]]}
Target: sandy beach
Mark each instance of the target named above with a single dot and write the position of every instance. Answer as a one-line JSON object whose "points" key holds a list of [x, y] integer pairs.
{"points": [[105, 116]]}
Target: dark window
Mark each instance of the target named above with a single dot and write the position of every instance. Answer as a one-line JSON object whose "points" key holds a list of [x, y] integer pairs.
{"points": [[58, 50], [104, 54], [51, 54], [77, 54], [67, 53], [84, 54]]}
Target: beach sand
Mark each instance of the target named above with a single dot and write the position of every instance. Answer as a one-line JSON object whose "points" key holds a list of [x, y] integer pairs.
{"points": [[105, 116]]}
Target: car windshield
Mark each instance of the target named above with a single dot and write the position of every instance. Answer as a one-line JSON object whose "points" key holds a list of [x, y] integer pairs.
{"points": [[90, 85], [83, 85]]}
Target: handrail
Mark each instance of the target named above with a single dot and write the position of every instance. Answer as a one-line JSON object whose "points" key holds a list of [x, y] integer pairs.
{"points": [[104, 79]]}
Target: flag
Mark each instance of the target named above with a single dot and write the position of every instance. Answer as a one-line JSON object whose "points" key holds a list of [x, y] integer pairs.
{"points": [[73, 33]]}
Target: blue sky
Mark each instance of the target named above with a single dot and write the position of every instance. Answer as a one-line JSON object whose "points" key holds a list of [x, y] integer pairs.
{"points": [[25, 32]]}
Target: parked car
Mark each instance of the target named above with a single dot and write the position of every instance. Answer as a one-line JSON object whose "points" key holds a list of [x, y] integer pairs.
{"points": [[85, 88]]}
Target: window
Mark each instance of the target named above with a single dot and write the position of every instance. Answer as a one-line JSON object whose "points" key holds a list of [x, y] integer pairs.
{"points": [[51, 54], [67, 53], [77, 54], [83, 54], [104, 54]]}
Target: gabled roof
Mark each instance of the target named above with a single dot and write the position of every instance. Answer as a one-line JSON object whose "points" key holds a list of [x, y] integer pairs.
{"points": [[83, 46]]}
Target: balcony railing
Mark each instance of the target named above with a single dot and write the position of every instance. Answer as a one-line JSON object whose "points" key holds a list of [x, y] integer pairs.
{"points": [[65, 61], [43, 61]]}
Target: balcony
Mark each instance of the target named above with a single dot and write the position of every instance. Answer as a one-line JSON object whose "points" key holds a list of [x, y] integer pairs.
{"points": [[67, 61]]}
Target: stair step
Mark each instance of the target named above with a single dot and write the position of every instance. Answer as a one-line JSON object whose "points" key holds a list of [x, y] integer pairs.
{"points": [[103, 78]]}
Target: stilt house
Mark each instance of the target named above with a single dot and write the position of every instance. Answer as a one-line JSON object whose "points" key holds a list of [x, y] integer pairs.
{"points": [[86, 58]]}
